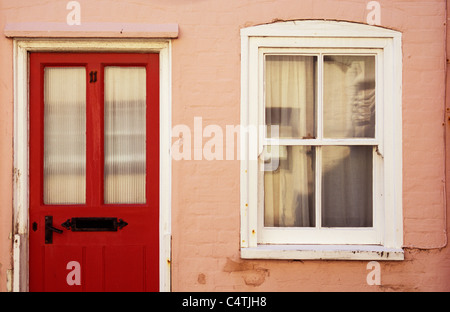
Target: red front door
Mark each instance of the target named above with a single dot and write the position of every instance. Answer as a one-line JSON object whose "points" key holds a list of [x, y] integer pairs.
{"points": [[94, 172]]}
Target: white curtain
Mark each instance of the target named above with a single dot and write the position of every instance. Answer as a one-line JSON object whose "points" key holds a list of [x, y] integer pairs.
{"points": [[289, 187], [64, 135], [349, 97], [347, 186], [349, 112], [348, 105], [290, 94], [125, 135]]}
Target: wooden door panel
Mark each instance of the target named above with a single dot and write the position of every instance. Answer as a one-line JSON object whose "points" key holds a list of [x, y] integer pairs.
{"points": [[132, 257], [124, 259], [56, 272]]}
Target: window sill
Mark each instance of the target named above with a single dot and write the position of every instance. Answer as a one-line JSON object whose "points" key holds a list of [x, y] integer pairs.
{"points": [[322, 252]]}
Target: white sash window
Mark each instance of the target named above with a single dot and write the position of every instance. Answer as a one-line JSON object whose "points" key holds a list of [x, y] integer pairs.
{"points": [[321, 165]]}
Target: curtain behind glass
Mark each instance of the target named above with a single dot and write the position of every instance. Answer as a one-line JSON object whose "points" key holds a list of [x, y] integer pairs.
{"points": [[289, 189], [64, 135], [125, 135], [349, 96], [290, 105], [290, 95], [347, 186], [349, 112]]}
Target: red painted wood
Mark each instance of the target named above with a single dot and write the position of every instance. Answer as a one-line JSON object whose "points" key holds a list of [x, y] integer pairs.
{"points": [[126, 260]]}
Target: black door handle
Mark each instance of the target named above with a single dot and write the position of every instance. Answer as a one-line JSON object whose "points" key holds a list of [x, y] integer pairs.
{"points": [[53, 229], [49, 229]]}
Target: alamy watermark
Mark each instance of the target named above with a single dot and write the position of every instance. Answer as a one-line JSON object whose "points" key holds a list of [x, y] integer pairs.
{"points": [[74, 16], [374, 16], [213, 142], [374, 276]]}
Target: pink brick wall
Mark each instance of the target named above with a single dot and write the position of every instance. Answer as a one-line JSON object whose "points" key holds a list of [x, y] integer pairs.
{"points": [[206, 83]]}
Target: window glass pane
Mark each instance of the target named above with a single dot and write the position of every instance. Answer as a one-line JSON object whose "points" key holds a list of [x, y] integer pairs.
{"points": [[290, 95], [349, 96], [125, 134], [289, 186], [347, 186], [64, 135]]}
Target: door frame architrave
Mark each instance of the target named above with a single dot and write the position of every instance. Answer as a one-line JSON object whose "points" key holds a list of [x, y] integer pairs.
{"points": [[22, 47]]}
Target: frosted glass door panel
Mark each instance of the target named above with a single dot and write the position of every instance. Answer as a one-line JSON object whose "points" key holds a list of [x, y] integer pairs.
{"points": [[125, 135], [64, 135]]}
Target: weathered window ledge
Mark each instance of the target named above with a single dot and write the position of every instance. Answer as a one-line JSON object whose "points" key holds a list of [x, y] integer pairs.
{"points": [[325, 252]]}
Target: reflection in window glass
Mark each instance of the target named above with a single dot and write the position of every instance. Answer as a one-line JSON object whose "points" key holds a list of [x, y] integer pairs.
{"points": [[347, 186], [290, 95], [289, 187], [349, 96]]}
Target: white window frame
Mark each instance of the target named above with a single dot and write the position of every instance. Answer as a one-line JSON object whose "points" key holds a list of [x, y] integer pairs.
{"points": [[385, 240]]}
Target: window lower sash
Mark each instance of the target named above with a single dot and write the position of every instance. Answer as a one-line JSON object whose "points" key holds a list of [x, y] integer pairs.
{"points": [[351, 236]]}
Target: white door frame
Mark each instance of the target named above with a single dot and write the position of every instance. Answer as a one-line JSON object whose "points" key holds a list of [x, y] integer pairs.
{"points": [[22, 48]]}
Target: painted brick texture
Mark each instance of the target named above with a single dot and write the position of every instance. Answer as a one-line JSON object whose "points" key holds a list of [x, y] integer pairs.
{"points": [[205, 194]]}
